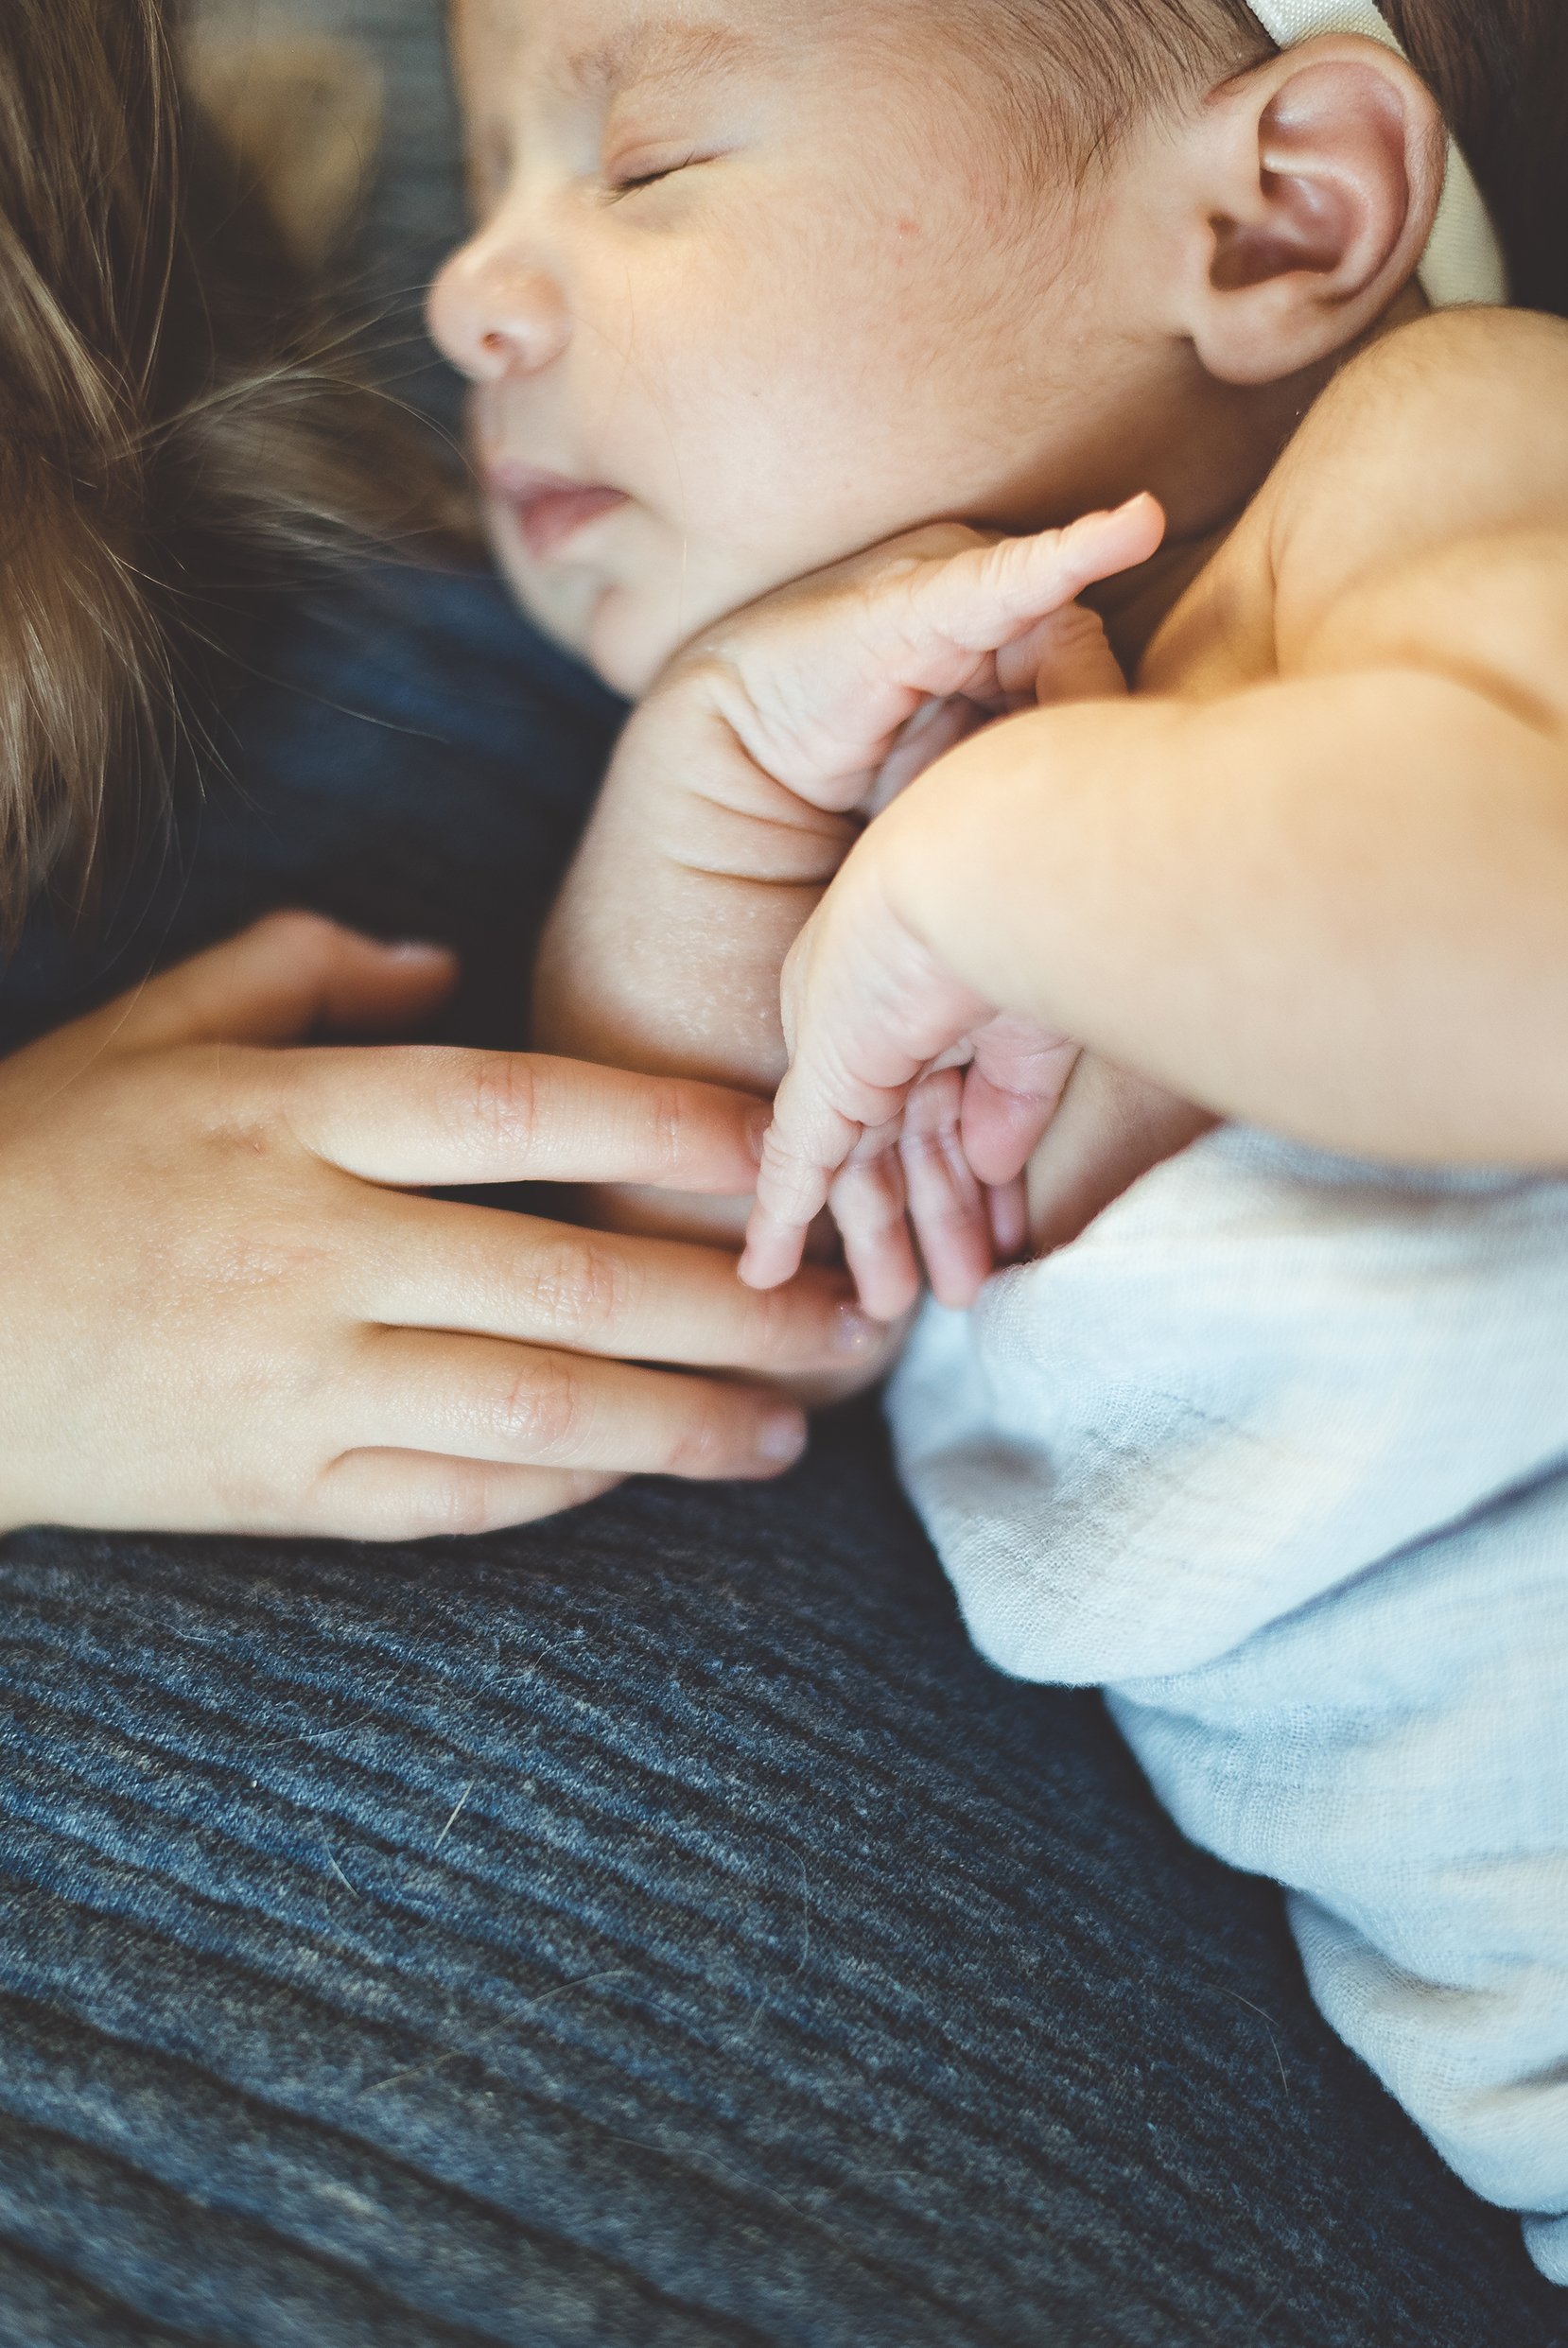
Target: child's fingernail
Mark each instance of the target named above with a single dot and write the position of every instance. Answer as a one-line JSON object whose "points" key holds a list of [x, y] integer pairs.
{"points": [[783, 1439], [759, 1126], [856, 1332]]}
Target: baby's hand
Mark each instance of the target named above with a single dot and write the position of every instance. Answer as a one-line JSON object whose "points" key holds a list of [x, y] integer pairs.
{"points": [[875, 1020], [746, 777], [879, 1018], [845, 687]]}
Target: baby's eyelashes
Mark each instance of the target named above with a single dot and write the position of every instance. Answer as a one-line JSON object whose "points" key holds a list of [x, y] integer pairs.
{"points": [[631, 175], [641, 172]]}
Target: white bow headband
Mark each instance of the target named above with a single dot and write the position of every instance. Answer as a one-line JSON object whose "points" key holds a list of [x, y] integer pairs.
{"points": [[1464, 261]]}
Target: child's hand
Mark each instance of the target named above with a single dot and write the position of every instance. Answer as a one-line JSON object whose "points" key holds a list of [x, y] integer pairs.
{"points": [[743, 782], [225, 1306]]}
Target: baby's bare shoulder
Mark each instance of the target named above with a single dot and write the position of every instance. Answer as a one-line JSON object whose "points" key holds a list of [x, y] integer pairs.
{"points": [[1419, 513], [1452, 432]]}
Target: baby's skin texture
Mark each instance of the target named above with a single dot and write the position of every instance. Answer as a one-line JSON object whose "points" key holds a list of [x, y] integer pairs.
{"points": [[756, 291], [774, 742], [1346, 762]]}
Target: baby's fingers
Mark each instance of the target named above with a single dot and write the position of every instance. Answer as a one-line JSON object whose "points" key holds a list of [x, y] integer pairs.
{"points": [[793, 1187], [1066, 657], [984, 599], [870, 1202], [948, 1208], [867, 1011], [1012, 1092], [820, 684]]}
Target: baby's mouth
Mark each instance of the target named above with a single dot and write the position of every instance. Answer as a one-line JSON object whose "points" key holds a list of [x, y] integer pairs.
{"points": [[549, 507]]}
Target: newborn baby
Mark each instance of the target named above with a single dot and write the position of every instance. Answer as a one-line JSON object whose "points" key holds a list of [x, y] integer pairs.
{"points": [[758, 288]]}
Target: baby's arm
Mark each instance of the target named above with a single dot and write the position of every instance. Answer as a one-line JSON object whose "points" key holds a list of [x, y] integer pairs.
{"points": [[746, 779], [1331, 903]]}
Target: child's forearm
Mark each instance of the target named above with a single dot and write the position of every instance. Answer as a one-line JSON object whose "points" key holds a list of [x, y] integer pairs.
{"points": [[1336, 906]]}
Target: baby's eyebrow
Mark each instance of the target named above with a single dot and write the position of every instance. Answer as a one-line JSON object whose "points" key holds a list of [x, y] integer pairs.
{"points": [[652, 48]]}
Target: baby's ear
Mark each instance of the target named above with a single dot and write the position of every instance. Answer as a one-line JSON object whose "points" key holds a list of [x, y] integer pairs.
{"points": [[302, 117], [1315, 180]]}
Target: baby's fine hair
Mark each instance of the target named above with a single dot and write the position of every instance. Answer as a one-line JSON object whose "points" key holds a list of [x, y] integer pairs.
{"points": [[170, 432], [1072, 71]]}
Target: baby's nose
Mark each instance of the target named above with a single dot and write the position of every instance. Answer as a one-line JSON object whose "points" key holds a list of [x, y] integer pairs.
{"points": [[494, 311]]}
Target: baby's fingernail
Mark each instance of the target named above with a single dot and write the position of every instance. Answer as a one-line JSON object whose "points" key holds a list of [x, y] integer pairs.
{"points": [[759, 1126], [855, 1331], [783, 1439]]}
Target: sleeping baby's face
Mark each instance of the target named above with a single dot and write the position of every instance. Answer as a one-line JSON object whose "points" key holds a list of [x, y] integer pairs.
{"points": [[754, 288]]}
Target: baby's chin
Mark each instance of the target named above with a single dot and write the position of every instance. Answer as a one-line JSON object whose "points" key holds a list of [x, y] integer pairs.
{"points": [[622, 634], [628, 630], [633, 634]]}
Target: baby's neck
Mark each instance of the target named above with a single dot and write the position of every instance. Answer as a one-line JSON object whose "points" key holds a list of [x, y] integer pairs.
{"points": [[1232, 450]]}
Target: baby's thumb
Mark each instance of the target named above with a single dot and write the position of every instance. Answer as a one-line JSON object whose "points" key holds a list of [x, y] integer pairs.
{"points": [[983, 600], [281, 981]]}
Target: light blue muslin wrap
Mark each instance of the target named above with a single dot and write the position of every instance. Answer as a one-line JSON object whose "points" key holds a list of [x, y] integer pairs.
{"points": [[1278, 1453]]}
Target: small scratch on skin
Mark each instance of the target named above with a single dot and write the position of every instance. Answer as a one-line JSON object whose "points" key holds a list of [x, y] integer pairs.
{"points": [[1268, 2026], [457, 1813]]}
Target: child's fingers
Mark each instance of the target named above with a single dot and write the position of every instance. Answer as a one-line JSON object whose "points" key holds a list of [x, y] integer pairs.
{"points": [[446, 1264], [421, 1115], [405, 1496], [774, 1248], [868, 1011], [282, 979], [530, 1406]]}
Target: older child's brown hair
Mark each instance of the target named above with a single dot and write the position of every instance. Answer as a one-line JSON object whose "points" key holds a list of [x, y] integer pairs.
{"points": [[167, 437]]}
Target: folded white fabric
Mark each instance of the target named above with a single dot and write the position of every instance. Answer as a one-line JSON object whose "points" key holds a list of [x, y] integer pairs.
{"points": [[1278, 1454]]}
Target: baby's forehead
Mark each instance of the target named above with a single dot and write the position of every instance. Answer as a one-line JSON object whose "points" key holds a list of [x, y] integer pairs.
{"points": [[593, 47]]}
